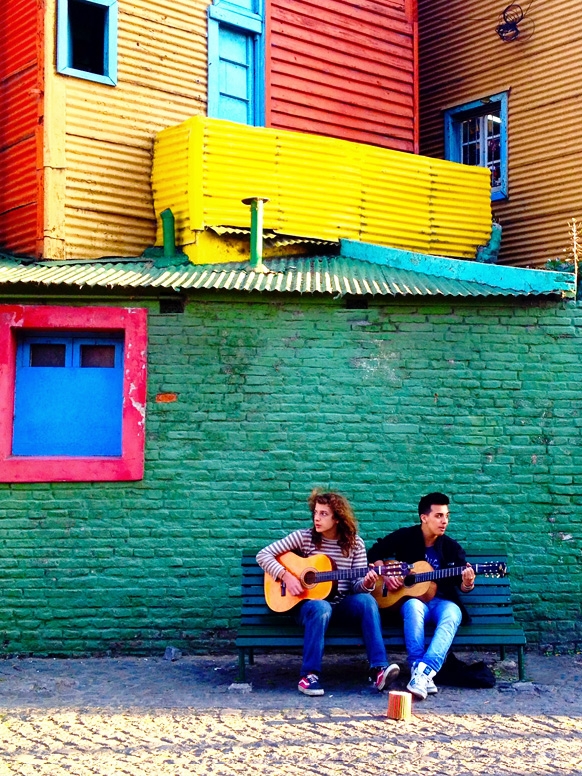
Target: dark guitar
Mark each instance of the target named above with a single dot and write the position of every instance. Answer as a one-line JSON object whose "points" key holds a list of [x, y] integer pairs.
{"points": [[419, 581], [318, 576]]}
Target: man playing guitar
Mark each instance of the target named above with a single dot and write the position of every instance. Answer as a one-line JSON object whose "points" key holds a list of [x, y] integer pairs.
{"points": [[427, 542], [333, 533]]}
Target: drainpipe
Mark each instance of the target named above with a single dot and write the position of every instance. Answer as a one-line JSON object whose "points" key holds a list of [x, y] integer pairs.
{"points": [[256, 258], [169, 233]]}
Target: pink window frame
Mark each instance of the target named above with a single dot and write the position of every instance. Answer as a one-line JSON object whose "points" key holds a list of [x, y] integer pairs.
{"points": [[130, 464]]}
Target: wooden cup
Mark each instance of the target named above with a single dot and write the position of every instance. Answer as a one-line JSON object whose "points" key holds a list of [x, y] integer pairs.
{"points": [[399, 705]]}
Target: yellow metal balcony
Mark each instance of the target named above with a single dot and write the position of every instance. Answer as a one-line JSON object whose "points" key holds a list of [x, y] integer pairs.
{"points": [[318, 188]]}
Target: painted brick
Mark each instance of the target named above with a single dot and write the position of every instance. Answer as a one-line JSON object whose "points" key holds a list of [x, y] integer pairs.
{"points": [[278, 394]]}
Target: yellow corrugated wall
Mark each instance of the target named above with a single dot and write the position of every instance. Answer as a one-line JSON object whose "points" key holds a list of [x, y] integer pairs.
{"points": [[462, 59], [318, 187], [109, 131]]}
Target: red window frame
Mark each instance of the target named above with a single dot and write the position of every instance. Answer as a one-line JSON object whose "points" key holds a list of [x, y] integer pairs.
{"points": [[130, 464]]}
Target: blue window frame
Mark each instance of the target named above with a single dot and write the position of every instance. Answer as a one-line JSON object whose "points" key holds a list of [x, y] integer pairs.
{"points": [[87, 39], [476, 133], [236, 61], [68, 395]]}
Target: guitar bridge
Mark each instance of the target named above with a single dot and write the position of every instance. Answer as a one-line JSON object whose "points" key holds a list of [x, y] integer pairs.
{"points": [[283, 589]]}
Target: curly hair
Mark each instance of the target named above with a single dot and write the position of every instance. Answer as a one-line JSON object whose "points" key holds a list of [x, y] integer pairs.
{"points": [[346, 522]]}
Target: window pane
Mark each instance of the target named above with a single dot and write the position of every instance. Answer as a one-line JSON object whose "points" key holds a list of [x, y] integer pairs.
{"points": [[495, 174], [471, 141], [493, 129], [476, 134], [98, 356], [88, 25], [236, 75], [47, 355]]}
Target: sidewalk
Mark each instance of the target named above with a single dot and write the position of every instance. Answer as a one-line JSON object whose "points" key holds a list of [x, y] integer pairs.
{"points": [[147, 716]]}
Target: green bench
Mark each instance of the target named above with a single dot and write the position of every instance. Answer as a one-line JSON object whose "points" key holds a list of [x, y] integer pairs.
{"points": [[489, 604]]}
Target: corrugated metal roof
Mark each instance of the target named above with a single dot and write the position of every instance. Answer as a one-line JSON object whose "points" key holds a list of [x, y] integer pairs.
{"points": [[334, 275]]}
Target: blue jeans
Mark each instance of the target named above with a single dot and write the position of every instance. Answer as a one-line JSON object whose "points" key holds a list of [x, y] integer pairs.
{"points": [[446, 617], [315, 617]]}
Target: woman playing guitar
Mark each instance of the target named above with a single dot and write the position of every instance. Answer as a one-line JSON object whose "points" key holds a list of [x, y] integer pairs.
{"points": [[333, 533]]}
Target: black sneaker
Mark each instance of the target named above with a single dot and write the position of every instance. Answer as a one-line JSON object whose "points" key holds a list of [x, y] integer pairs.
{"points": [[383, 675], [309, 685]]}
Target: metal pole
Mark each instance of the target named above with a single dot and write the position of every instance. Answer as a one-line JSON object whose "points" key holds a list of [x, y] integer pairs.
{"points": [[256, 240], [169, 233]]}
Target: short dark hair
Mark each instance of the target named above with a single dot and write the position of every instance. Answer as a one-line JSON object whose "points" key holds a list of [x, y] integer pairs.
{"points": [[426, 502]]}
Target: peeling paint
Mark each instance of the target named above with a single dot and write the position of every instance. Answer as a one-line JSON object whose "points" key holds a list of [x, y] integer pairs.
{"points": [[139, 407]]}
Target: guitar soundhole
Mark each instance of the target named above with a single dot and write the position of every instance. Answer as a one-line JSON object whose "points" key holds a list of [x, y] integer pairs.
{"points": [[308, 579]]}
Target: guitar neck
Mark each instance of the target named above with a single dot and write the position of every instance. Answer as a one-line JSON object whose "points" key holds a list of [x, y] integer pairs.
{"points": [[336, 574], [455, 571]]}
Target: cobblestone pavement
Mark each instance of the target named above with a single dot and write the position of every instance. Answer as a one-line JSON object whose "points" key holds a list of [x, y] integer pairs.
{"points": [[149, 716]]}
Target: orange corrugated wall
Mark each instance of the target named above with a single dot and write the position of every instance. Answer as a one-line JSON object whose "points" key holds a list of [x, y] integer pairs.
{"points": [[344, 69], [20, 125]]}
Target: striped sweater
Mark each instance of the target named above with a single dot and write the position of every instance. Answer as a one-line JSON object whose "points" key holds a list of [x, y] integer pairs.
{"points": [[302, 542]]}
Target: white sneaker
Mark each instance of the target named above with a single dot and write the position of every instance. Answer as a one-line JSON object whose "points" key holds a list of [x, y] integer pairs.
{"points": [[431, 688], [418, 684]]}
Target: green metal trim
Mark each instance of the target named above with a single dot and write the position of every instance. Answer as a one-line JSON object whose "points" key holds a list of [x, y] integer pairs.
{"points": [[169, 233], [515, 279]]}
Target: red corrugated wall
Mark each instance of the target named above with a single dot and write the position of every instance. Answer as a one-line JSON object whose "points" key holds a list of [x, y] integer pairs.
{"points": [[345, 69], [20, 125]]}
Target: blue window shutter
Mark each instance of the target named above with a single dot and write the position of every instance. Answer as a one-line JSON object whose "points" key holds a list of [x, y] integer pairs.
{"points": [[68, 410], [236, 75], [236, 62]]}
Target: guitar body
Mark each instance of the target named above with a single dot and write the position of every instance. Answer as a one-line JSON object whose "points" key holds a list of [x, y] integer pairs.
{"points": [[303, 568], [424, 591]]}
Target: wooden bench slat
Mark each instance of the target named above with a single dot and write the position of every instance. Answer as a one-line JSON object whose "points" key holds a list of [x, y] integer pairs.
{"points": [[489, 605]]}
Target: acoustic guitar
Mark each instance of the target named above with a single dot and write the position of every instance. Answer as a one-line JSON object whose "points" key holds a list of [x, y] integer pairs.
{"points": [[419, 581], [319, 578]]}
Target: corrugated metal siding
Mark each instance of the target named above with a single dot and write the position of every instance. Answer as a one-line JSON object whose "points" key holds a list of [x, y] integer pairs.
{"points": [[344, 69], [331, 275], [18, 178], [20, 109], [17, 36], [110, 130], [18, 228], [318, 187], [463, 59]]}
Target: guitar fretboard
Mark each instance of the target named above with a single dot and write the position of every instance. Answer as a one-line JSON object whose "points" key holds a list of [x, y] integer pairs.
{"points": [[336, 574], [455, 571]]}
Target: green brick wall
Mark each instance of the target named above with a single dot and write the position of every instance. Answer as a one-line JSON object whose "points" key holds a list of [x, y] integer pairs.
{"points": [[276, 394]]}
